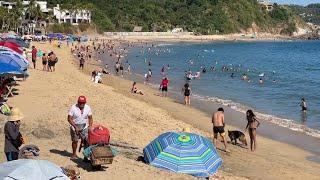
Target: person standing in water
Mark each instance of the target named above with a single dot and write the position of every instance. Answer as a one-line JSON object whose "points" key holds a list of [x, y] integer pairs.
{"points": [[186, 90], [164, 86], [218, 127], [303, 105], [252, 124]]}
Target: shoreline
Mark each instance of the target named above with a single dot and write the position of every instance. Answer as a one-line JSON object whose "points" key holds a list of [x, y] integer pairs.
{"points": [[179, 111], [236, 118]]}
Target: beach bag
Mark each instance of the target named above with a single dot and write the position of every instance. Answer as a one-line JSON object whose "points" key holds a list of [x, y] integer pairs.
{"points": [[99, 135], [5, 109]]}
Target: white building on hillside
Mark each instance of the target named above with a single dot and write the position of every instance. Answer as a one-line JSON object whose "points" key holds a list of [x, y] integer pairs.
{"points": [[64, 16]]}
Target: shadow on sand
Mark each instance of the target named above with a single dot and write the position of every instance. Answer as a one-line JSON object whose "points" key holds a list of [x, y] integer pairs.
{"points": [[80, 162]]}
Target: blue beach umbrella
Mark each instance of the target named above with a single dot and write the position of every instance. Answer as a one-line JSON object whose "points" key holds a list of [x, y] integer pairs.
{"points": [[13, 53], [16, 57], [184, 153], [6, 68], [14, 61]]}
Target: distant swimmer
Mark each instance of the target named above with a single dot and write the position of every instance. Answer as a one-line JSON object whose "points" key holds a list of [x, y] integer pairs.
{"points": [[245, 77], [260, 81], [204, 70], [274, 81], [303, 105], [232, 75]]}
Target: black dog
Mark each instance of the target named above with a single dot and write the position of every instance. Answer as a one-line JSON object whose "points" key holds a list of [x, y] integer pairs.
{"points": [[234, 135]]}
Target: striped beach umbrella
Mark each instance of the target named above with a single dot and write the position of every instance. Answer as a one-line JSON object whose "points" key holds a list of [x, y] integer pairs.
{"points": [[184, 153]]}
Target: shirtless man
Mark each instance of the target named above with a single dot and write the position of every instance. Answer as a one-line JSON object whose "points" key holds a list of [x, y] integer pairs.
{"points": [[218, 127]]}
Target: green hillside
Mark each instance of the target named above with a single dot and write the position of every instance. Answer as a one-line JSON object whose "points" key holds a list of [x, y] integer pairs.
{"points": [[200, 16]]}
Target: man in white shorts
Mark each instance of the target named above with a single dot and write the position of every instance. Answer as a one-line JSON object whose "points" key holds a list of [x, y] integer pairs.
{"points": [[80, 119]]}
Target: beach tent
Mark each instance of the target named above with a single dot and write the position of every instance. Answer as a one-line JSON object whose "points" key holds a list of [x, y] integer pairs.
{"points": [[6, 69], [18, 41], [84, 38], [184, 153], [29, 169], [13, 46], [55, 35], [23, 63], [7, 50]]}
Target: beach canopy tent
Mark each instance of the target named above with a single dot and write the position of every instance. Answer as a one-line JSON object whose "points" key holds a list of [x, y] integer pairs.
{"points": [[9, 34], [18, 41], [55, 35], [13, 46], [8, 57], [84, 38], [184, 153], [9, 69], [29, 169], [4, 50]]}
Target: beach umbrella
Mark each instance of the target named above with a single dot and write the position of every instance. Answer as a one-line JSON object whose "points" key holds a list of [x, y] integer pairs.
{"points": [[18, 41], [11, 56], [7, 51], [30, 169], [184, 153], [15, 61], [6, 68], [13, 46]]}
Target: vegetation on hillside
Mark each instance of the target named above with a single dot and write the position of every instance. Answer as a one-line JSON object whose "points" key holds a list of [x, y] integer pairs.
{"points": [[199, 16], [310, 13]]}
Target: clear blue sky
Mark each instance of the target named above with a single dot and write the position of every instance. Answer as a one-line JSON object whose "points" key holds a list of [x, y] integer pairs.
{"points": [[300, 2]]}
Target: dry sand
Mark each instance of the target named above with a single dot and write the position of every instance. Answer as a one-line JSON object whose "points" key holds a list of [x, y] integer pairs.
{"points": [[46, 97]]}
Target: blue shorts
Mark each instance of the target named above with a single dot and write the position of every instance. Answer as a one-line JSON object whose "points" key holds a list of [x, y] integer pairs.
{"points": [[12, 156]]}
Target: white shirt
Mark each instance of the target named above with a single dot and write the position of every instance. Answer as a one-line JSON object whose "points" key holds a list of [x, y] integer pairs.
{"points": [[77, 116]]}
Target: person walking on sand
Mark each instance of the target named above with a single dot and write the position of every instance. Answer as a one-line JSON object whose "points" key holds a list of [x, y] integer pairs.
{"points": [[252, 124], [44, 62], [80, 120], [81, 61], [164, 86], [218, 127], [129, 69], [186, 90], [303, 105], [13, 137], [121, 69], [34, 56]]}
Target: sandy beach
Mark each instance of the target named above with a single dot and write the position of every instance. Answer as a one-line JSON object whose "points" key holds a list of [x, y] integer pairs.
{"points": [[45, 99]]}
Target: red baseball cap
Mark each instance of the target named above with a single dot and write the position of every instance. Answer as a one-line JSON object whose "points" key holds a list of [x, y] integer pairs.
{"points": [[82, 99]]}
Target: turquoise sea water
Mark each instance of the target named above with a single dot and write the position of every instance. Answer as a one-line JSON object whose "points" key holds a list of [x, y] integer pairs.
{"points": [[295, 67]]}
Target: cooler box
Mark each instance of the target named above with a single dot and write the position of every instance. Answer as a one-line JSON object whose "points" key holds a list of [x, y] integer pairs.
{"points": [[99, 135]]}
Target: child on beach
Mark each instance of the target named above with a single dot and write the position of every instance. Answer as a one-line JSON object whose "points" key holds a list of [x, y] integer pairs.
{"points": [[44, 62]]}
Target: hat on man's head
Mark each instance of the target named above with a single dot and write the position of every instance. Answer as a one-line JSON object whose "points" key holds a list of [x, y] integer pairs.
{"points": [[82, 99], [16, 114]]}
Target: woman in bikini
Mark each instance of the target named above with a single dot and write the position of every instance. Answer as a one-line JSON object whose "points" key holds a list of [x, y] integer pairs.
{"points": [[252, 124], [135, 90]]}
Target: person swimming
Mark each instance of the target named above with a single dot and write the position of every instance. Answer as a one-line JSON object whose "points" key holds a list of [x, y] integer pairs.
{"points": [[260, 81]]}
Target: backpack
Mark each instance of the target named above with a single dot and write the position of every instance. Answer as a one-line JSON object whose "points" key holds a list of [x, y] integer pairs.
{"points": [[5, 109]]}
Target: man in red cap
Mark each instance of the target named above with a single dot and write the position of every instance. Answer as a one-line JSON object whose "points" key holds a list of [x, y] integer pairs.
{"points": [[80, 119]]}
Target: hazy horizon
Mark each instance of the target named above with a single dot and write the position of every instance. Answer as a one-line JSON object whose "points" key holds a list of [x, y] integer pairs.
{"points": [[298, 2]]}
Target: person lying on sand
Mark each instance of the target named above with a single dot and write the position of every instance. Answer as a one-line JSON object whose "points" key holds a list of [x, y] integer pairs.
{"points": [[135, 90]]}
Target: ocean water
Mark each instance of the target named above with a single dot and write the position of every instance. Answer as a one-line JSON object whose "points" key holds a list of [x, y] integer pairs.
{"points": [[294, 65]]}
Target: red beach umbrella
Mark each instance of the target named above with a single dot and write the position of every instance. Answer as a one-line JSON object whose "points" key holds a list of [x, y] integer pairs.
{"points": [[13, 46]]}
